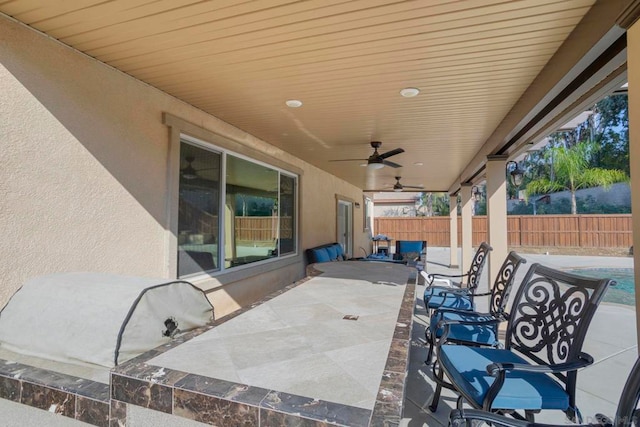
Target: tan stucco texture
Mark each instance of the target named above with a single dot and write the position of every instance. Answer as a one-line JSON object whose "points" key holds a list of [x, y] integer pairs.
{"points": [[83, 182]]}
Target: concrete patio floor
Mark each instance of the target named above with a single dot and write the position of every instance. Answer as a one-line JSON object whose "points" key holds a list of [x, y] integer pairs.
{"points": [[611, 341]]}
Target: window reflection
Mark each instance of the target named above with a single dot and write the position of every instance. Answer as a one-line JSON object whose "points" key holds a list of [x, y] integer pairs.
{"points": [[199, 201], [251, 223], [287, 215]]}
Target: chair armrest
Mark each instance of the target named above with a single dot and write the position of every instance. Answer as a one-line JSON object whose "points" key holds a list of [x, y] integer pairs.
{"points": [[460, 417], [448, 276], [445, 325], [435, 276], [436, 289], [453, 291], [483, 294], [584, 359], [499, 372], [448, 322], [457, 310]]}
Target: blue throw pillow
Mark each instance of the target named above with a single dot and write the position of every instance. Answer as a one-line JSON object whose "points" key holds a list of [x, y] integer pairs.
{"points": [[321, 255], [339, 250], [333, 253]]}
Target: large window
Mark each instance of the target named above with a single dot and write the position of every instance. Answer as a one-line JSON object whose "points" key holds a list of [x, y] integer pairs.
{"points": [[256, 221]]}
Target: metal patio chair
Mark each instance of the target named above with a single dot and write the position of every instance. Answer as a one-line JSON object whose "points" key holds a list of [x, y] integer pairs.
{"points": [[434, 297], [470, 327], [626, 415], [537, 369]]}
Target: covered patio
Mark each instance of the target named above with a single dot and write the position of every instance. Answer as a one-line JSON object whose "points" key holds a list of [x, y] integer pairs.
{"points": [[214, 142]]}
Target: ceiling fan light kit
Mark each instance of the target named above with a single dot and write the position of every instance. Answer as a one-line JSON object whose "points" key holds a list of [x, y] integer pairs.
{"points": [[189, 171], [375, 165]]}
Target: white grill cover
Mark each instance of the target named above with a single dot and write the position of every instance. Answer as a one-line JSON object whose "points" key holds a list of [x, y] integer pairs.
{"points": [[97, 318]]}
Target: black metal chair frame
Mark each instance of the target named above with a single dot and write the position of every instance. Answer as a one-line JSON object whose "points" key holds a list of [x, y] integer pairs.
{"points": [[498, 298], [547, 325], [472, 276], [626, 415]]}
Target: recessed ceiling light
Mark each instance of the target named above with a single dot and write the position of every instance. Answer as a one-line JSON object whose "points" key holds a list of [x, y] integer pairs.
{"points": [[409, 92], [418, 164], [293, 103]]}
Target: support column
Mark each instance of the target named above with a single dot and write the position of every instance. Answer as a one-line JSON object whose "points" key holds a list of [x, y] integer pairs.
{"points": [[453, 231], [633, 72], [467, 232], [496, 212]]}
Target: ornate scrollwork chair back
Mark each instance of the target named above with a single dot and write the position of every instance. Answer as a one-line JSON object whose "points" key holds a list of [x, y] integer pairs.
{"points": [[503, 284], [545, 333], [477, 265], [552, 315], [469, 283]]}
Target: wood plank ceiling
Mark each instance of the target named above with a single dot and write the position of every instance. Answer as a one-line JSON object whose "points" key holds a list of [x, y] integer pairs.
{"points": [[346, 60]]}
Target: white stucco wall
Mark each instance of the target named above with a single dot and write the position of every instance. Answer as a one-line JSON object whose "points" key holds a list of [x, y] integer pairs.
{"points": [[83, 182]]}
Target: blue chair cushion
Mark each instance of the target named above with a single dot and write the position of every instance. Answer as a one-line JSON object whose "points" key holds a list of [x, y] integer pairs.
{"points": [[321, 255], [339, 250], [333, 252], [458, 302], [467, 368], [481, 334]]}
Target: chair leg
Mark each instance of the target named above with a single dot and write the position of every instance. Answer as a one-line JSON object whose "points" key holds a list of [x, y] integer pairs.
{"points": [[574, 415], [429, 354], [428, 341], [529, 415], [459, 402], [436, 395]]}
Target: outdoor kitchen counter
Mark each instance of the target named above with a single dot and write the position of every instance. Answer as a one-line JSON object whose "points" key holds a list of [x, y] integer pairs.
{"points": [[332, 349]]}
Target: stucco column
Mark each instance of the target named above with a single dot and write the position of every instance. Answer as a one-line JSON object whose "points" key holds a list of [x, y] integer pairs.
{"points": [[467, 236], [496, 213], [453, 231], [633, 72]]}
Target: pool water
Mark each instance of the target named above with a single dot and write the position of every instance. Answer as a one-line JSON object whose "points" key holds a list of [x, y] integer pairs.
{"points": [[624, 290]]}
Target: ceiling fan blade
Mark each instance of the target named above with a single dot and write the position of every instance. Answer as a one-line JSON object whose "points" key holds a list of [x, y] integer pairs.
{"points": [[349, 160], [391, 153], [391, 164], [412, 186]]}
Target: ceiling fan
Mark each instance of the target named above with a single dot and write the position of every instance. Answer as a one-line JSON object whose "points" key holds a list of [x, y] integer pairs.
{"points": [[377, 160], [398, 187], [189, 172]]}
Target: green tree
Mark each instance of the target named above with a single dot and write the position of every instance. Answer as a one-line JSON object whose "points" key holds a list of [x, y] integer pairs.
{"points": [[609, 128], [571, 171], [434, 204]]}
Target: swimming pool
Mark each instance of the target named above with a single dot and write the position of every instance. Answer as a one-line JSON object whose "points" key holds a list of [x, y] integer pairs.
{"points": [[624, 290]]}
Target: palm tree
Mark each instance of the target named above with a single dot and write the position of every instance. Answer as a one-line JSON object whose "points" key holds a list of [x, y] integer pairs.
{"points": [[571, 171]]}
